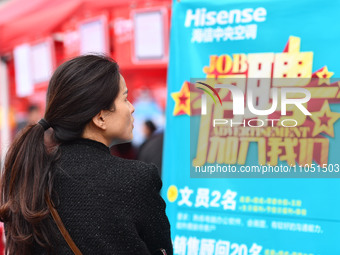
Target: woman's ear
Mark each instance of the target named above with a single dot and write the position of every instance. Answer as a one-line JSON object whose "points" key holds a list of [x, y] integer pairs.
{"points": [[99, 120]]}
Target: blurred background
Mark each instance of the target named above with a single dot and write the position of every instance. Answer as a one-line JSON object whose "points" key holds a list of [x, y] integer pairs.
{"points": [[38, 36], [3, 1]]}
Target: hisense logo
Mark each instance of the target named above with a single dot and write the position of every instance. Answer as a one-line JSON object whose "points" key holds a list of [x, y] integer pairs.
{"points": [[201, 17]]}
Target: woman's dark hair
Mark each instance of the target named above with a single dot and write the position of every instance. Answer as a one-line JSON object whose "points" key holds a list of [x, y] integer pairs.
{"points": [[78, 90]]}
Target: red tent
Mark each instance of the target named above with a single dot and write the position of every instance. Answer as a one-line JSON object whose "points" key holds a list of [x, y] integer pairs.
{"points": [[12, 13], [22, 20]]}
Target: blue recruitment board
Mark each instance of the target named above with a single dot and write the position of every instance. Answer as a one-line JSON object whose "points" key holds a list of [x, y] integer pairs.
{"points": [[213, 214]]}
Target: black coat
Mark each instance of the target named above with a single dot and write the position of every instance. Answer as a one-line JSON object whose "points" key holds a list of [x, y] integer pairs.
{"points": [[109, 205]]}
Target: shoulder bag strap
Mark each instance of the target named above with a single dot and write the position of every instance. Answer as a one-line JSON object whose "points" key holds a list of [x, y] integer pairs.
{"points": [[62, 228]]}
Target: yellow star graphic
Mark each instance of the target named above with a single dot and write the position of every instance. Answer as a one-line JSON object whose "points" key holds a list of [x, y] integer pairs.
{"points": [[324, 120], [324, 76], [182, 100]]}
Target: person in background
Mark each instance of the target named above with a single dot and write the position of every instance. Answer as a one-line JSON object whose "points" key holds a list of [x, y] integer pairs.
{"points": [[151, 150], [106, 204], [148, 129], [33, 116]]}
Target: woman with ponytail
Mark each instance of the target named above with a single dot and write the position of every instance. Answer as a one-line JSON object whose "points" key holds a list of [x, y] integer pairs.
{"points": [[59, 175]]}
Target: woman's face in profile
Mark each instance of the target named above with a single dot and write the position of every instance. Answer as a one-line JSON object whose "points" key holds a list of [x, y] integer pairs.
{"points": [[120, 120]]}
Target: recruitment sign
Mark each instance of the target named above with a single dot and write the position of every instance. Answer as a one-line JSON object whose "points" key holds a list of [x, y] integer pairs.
{"points": [[252, 137]]}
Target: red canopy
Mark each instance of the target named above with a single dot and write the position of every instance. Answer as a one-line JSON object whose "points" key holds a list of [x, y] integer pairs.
{"points": [[17, 8], [22, 20]]}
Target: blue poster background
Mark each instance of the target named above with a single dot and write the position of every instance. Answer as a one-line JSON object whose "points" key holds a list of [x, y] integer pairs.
{"points": [[313, 224]]}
